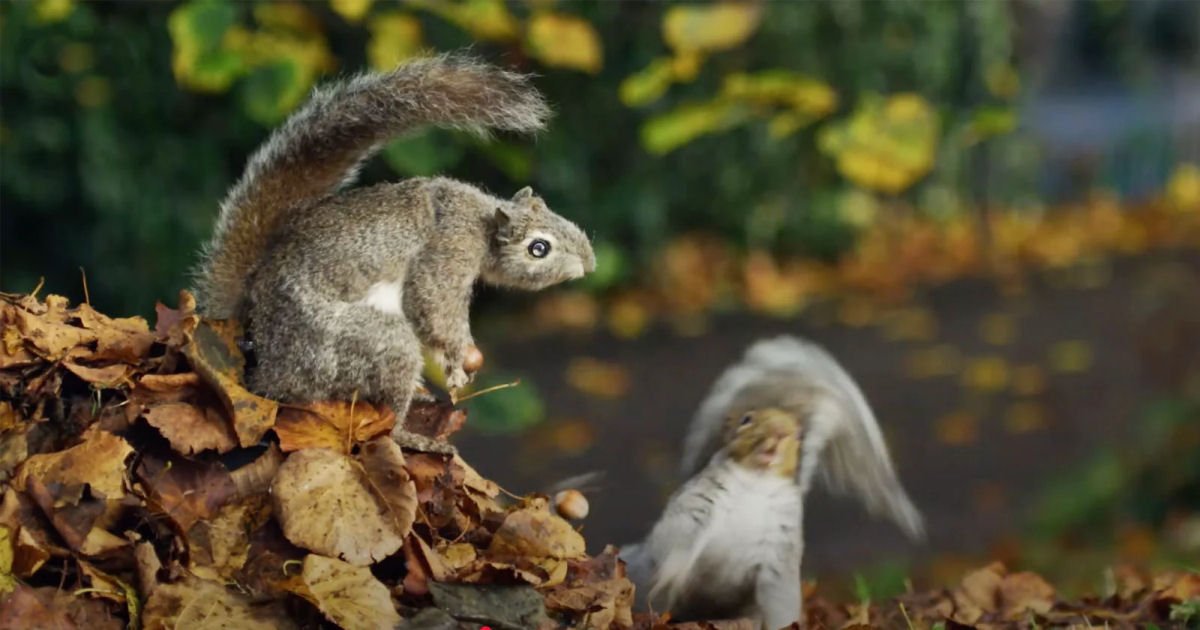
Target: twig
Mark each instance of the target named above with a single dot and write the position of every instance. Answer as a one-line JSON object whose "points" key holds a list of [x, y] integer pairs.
{"points": [[486, 390], [87, 299]]}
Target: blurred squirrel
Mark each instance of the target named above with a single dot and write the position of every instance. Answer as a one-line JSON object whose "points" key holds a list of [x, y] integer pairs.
{"points": [[730, 541], [340, 289]]}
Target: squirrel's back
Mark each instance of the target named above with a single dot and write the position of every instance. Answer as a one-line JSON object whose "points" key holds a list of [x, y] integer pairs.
{"points": [[321, 146]]}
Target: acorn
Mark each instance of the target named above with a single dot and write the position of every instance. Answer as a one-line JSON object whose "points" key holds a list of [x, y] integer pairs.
{"points": [[473, 362], [571, 504]]}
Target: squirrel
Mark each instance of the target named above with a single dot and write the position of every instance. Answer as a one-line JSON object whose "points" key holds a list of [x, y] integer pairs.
{"points": [[730, 541], [339, 289]]}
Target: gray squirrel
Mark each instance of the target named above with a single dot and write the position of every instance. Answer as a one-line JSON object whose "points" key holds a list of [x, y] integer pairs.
{"points": [[730, 541], [340, 289]]}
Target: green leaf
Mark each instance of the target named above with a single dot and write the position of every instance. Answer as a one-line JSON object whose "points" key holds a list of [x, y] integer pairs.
{"points": [[271, 91], [666, 132], [509, 410], [424, 154], [197, 30]]}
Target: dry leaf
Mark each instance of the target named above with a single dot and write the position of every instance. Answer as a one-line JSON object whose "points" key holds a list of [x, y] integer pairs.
{"points": [[50, 339], [1023, 592], [347, 595], [191, 429], [337, 425], [127, 339], [98, 461], [24, 610], [107, 376], [256, 477], [216, 358], [327, 503], [533, 531], [195, 604], [220, 546], [185, 491]]}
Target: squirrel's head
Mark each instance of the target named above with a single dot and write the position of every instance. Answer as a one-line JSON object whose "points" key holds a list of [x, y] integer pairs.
{"points": [[765, 439], [533, 248]]}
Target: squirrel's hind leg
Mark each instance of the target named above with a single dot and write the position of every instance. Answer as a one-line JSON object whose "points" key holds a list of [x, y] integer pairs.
{"points": [[380, 351]]}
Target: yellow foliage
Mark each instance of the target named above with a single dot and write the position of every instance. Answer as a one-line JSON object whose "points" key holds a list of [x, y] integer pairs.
{"points": [[649, 84], [1002, 80], [885, 145], [395, 37], [667, 132], [199, 59], [1071, 356], [351, 10], [685, 65], [1183, 189], [49, 11], [713, 27], [986, 374], [488, 20], [806, 95], [565, 41]]}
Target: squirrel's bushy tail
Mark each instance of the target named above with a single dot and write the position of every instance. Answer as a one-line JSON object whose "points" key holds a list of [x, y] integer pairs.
{"points": [[321, 146]]}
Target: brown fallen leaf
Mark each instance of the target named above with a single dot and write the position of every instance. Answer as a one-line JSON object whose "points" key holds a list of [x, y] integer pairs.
{"points": [[422, 564], [195, 604], [190, 428], [256, 477], [337, 425], [978, 593], [1023, 592], [184, 490], [434, 419], [534, 531], [49, 339], [349, 596], [383, 470], [605, 604], [334, 505], [174, 327], [108, 376], [73, 511], [23, 609], [126, 339], [7, 581], [220, 546], [98, 461], [218, 361]]}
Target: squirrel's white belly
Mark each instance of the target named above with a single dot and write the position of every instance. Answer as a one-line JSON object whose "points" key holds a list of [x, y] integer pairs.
{"points": [[385, 297], [751, 526]]}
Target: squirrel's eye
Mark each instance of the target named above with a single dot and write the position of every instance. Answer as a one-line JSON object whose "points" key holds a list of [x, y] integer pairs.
{"points": [[539, 247], [746, 419]]}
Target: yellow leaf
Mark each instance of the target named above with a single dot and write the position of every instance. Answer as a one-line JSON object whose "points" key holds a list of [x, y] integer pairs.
{"points": [[685, 65], [484, 19], [1024, 417], [806, 95], [7, 581], [885, 145], [713, 27], [395, 37], [627, 317], [50, 11], [565, 41], [1002, 80], [351, 10], [1183, 189], [667, 132], [648, 84]]}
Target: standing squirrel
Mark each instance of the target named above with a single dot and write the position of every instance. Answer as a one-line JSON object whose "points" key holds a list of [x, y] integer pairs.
{"points": [[340, 289], [730, 541]]}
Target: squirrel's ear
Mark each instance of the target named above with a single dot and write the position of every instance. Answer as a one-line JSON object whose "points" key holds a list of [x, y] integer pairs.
{"points": [[503, 224], [524, 194]]}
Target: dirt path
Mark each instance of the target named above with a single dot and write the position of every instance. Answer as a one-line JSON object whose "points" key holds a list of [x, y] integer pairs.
{"points": [[970, 458]]}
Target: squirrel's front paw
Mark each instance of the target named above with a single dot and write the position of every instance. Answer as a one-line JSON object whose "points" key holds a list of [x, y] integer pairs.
{"points": [[456, 377]]}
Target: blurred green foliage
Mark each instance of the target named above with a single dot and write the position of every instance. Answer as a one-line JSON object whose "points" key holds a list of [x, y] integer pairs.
{"points": [[124, 122]]}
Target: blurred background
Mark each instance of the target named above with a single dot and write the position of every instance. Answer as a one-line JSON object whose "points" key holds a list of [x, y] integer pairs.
{"points": [[990, 211]]}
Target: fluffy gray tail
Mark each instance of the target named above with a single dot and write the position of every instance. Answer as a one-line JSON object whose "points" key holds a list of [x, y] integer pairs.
{"points": [[320, 147]]}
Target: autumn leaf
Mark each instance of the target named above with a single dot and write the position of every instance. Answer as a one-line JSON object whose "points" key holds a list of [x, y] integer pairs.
{"points": [[24, 609], [7, 581], [126, 339], [597, 378], [98, 461], [336, 425], [190, 428], [256, 477], [714, 27], [565, 41], [186, 491], [533, 531], [214, 355], [220, 546], [347, 595], [355, 509], [108, 376], [395, 37], [351, 10], [885, 145], [195, 604]]}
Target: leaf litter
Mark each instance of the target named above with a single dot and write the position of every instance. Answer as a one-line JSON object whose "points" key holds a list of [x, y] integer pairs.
{"points": [[144, 486]]}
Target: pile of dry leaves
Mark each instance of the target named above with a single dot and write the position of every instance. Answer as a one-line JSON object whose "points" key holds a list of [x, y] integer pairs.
{"points": [[144, 486]]}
